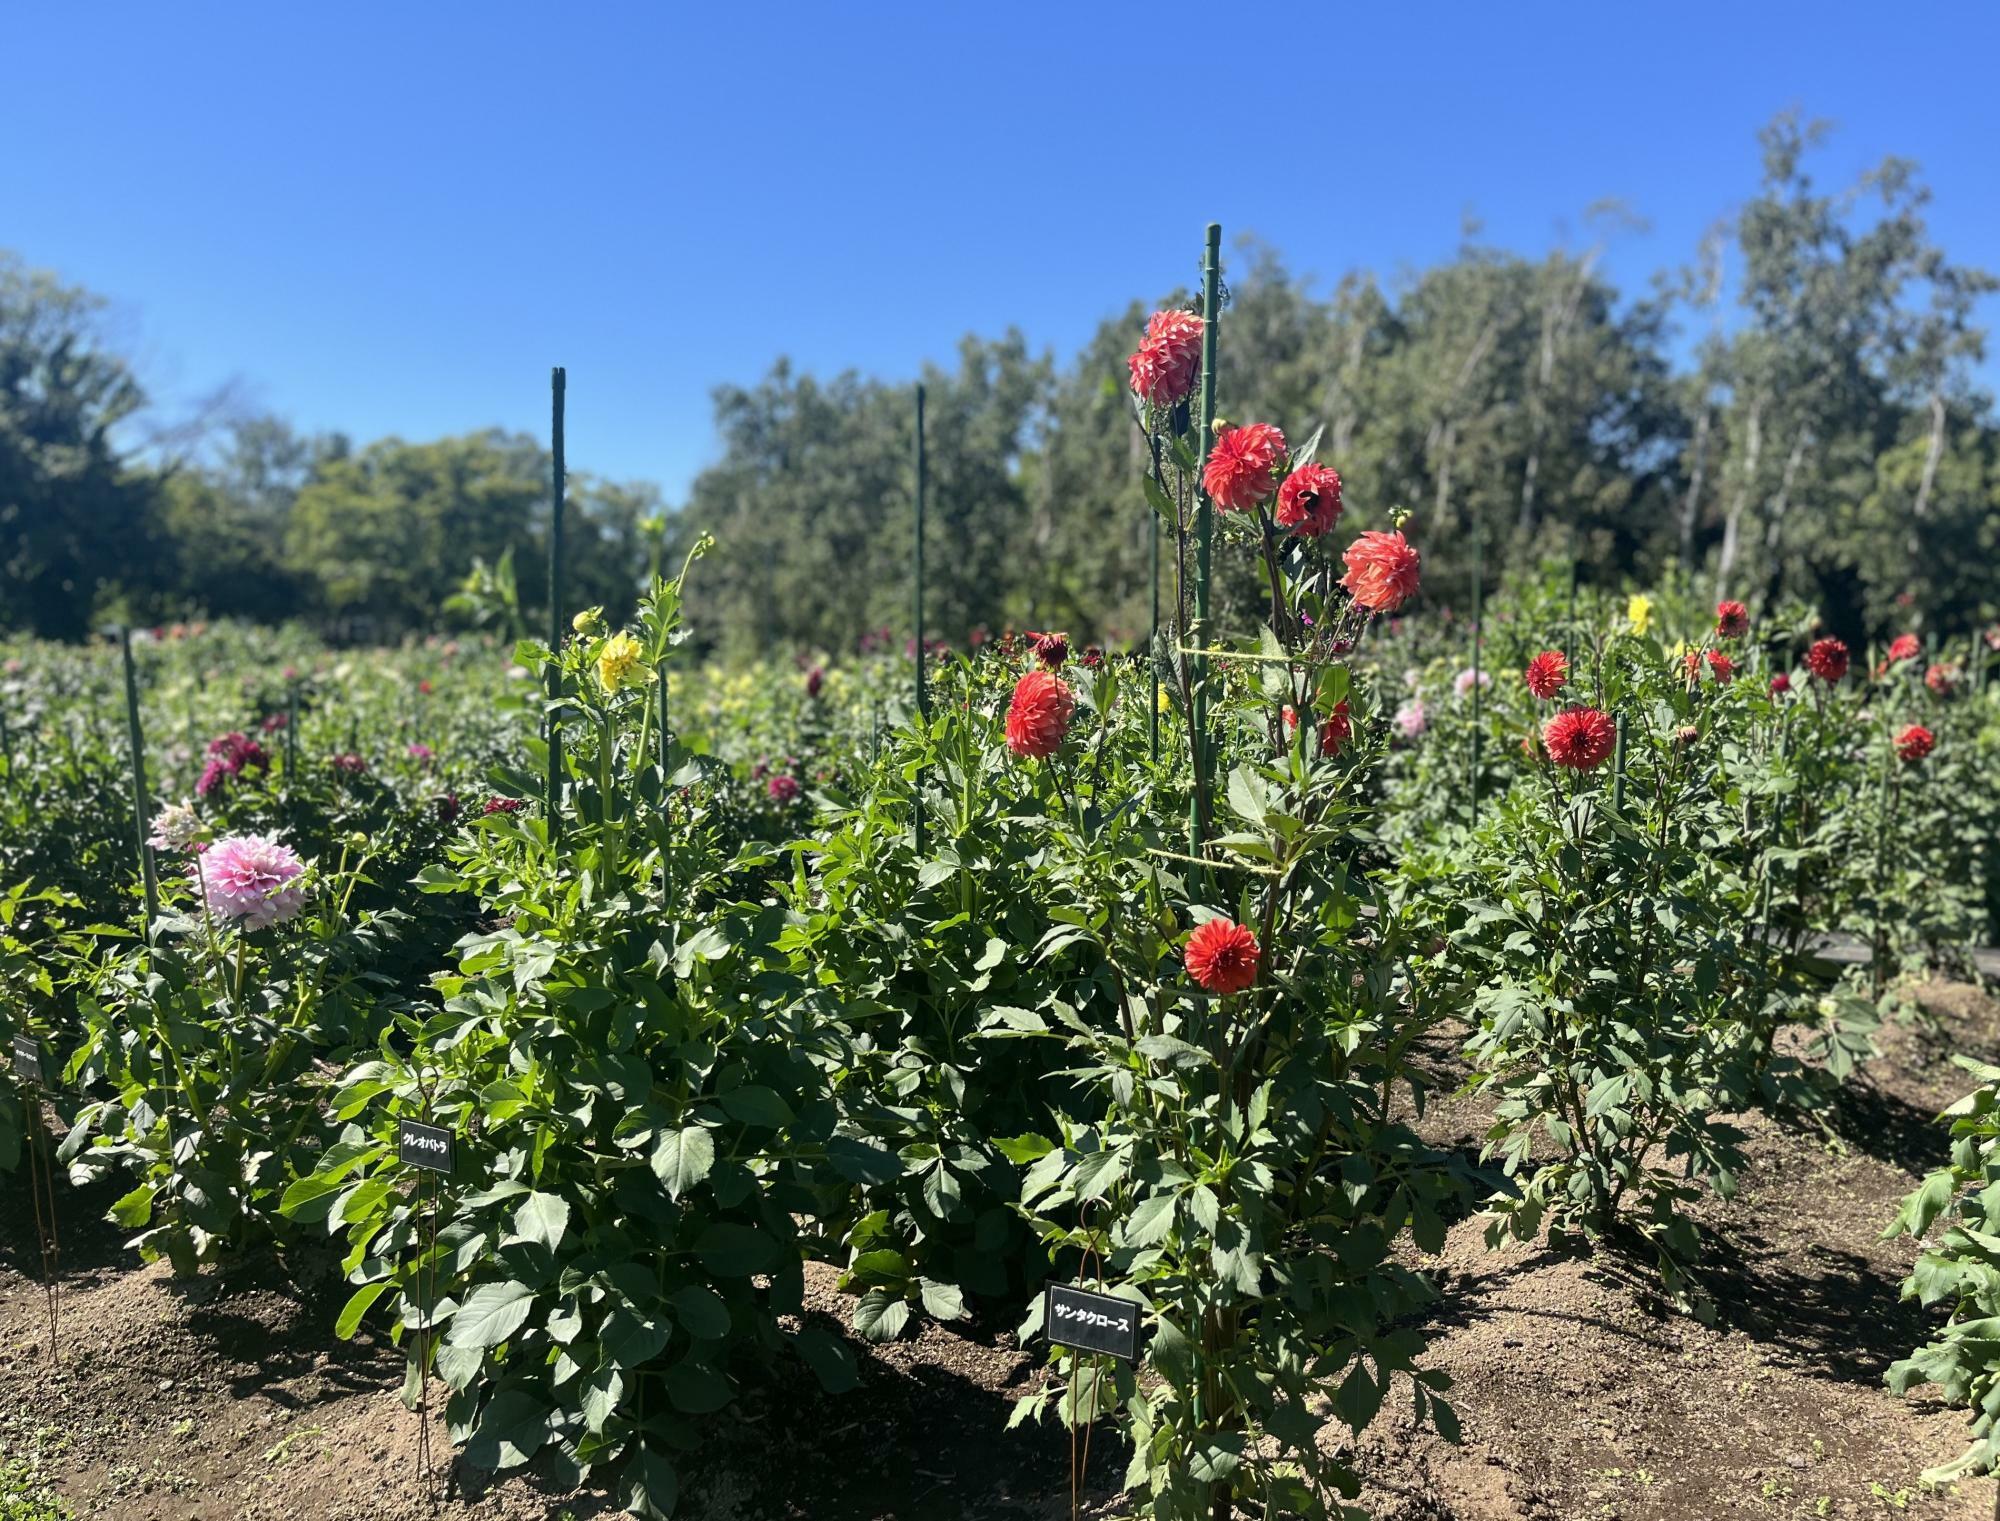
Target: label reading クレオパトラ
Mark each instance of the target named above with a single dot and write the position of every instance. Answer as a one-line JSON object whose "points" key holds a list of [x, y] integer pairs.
{"points": [[424, 1146], [1091, 1322]]}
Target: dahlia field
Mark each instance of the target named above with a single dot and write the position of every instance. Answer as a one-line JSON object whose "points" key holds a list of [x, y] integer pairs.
{"points": [[1131, 970]]}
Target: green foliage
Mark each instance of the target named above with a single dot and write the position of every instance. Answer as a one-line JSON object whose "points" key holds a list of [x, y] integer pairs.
{"points": [[1960, 1270]]}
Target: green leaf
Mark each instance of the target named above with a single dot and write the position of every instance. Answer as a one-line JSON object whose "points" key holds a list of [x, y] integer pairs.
{"points": [[701, 1312], [136, 1208], [599, 1394], [630, 1339], [830, 1359], [683, 1158], [491, 1313], [753, 1104], [1023, 1149], [349, 1320], [509, 1431], [942, 1301], [881, 1316], [696, 1389], [542, 1217], [861, 1163], [736, 1251], [652, 1488]]}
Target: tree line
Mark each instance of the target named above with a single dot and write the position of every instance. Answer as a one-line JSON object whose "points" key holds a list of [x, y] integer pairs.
{"points": [[1795, 410]]}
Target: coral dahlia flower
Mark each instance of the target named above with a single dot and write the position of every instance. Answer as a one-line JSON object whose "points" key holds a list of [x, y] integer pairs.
{"points": [[1580, 738], [1547, 673], [1904, 647], [1721, 667], [1827, 659], [1942, 679], [1038, 716], [1222, 956], [1309, 500], [1168, 358], [1382, 571], [1242, 466]]}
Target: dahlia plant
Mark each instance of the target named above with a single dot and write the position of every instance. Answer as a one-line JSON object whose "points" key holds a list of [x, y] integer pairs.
{"points": [[641, 1094], [1956, 1270], [1231, 1163]]}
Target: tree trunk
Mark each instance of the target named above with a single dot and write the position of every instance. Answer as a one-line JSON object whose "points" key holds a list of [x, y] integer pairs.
{"points": [[1691, 500], [1557, 314], [1732, 521], [1346, 415], [1931, 457]]}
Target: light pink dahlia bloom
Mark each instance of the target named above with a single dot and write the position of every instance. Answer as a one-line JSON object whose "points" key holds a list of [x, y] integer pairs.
{"points": [[251, 879]]}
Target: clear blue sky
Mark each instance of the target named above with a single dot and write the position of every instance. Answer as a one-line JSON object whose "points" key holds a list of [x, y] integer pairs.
{"points": [[395, 217]]}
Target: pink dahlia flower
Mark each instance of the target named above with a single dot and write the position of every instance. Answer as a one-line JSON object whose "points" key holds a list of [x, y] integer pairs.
{"points": [[251, 879]]}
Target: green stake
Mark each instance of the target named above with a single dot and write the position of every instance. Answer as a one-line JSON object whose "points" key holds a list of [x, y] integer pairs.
{"points": [[557, 381], [1198, 737], [917, 609], [1618, 768], [1478, 605], [142, 825], [1153, 646]]}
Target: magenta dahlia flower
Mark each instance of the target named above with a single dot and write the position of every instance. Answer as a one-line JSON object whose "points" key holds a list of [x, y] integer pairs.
{"points": [[250, 879]]}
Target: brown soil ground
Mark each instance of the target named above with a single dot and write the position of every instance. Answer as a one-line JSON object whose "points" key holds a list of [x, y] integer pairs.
{"points": [[1580, 1394]]}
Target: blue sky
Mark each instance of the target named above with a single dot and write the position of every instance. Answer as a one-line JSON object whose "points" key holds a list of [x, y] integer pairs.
{"points": [[393, 218]]}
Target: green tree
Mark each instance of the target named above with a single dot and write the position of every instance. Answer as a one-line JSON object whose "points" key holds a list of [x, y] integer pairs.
{"points": [[76, 525]]}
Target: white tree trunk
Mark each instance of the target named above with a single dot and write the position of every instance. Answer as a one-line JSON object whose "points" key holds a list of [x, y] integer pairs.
{"points": [[1691, 500], [1739, 499]]}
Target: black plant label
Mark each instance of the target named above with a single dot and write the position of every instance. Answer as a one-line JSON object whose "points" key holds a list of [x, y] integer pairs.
{"points": [[424, 1146], [27, 1059], [1091, 1322]]}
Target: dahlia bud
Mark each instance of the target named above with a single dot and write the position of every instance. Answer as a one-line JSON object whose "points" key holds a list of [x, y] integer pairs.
{"points": [[587, 620], [1686, 735], [1052, 650]]}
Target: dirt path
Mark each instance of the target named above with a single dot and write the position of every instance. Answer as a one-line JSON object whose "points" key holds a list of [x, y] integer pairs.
{"points": [[1580, 1395]]}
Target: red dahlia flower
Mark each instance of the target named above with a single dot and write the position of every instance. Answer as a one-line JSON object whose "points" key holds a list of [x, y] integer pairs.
{"points": [[1242, 464], [783, 788], [1721, 667], [1904, 647], [1827, 659], [1337, 730], [1051, 650], [1382, 571], [1309, 500], [1580, 738], [1915, 742], [1039, 714], [1732, 619], [1222, 956], [1547, 673], [1168, 358], [1781, 684]]}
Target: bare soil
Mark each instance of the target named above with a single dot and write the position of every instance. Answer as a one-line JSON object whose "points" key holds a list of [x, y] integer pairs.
{"points": [[1580, 1393]]}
